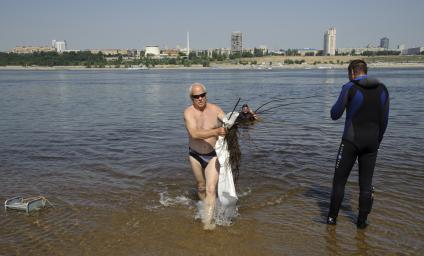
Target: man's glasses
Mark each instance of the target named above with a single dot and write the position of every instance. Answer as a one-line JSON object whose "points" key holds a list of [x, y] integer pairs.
{"points": [[198, 96]]}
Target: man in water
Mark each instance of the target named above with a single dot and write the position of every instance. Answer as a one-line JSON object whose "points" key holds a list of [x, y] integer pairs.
{"points": [[203, 127], [246, 115], [366, 101]]}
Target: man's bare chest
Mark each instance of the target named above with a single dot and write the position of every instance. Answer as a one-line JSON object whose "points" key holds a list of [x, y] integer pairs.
{"points": [[206, 120]]}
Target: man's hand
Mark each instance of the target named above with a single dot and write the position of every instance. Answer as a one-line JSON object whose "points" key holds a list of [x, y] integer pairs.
{"points": [[221, 131]]}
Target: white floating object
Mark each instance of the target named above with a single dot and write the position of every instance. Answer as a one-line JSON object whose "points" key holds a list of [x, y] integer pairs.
{"points": [[26, 204]]}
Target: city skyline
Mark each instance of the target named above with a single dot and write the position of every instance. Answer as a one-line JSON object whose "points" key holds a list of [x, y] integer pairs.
{"points": [[135, 24]]}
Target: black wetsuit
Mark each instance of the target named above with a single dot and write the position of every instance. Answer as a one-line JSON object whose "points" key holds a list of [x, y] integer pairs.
{"points": [[366, 102], [245, 117]]}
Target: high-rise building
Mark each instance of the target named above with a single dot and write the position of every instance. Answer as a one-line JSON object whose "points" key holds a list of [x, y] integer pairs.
{"points": [[330, 42], [60, 46], [384, 43], [236, 42]]}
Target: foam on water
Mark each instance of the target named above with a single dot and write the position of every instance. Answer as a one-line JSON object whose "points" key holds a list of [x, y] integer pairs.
{"points": [[167, 200], [223, 216]]}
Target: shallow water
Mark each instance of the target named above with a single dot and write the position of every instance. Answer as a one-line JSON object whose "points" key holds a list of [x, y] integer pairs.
{"points": [[109, 150]]}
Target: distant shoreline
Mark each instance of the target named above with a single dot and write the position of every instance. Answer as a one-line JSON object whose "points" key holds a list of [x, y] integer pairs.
{"points": [[221, 66], [258, 63]]}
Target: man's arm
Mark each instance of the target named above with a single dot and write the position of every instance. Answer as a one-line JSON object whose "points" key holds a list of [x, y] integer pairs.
{"points": [[385, 101], [201, 133], [221, 114], [340, 105]]}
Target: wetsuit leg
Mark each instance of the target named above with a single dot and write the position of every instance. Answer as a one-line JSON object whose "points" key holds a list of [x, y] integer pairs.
{"points": [[366, 171], [344, 163]]}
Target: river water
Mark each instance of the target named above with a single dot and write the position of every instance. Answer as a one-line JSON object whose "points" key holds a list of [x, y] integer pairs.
{"points": [[109, 150]]}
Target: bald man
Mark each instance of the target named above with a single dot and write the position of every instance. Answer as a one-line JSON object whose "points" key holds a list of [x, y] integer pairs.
{"points": [[203, 127]]}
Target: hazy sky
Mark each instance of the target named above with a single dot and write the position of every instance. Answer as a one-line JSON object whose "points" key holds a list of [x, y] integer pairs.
{"points": [[274, 23]]}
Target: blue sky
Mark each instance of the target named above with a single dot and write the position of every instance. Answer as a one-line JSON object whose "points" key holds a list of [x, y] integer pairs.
{"points": [[276, 24]]}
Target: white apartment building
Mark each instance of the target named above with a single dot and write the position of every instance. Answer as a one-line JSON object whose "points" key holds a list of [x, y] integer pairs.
{"points": [[330, 42], [60, 46], [152, 50]]}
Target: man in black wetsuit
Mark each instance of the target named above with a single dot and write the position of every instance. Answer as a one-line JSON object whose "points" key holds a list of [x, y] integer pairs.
{"points": [[366, 101]]}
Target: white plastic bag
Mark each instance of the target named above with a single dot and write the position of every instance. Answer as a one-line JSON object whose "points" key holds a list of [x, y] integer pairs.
{"points": [[226, 189]]}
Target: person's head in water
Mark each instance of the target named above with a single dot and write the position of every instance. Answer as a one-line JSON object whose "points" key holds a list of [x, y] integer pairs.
{"points": [[245, 109], [197, 93], [357, 68]]}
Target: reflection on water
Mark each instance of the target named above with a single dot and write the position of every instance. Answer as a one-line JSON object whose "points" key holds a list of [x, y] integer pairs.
{"points": [[333, 248], [109, 149]]}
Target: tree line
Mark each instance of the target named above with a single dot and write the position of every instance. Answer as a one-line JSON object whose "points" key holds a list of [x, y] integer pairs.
{"points": [[88, 59], [52, 59], [100, 60]]}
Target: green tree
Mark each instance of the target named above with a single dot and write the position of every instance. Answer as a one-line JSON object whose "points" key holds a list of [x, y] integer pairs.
{"points": [[206, 63], [288, 61], [186, 63], [258, 52], [247, 54], [192, 55], [235, 55], [292, 52]]}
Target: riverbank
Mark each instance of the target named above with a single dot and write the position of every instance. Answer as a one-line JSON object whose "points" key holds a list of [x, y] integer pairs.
{"points": [[261, 66], [268, 62]]}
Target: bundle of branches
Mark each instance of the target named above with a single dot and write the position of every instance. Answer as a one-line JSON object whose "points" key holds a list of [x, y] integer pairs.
{"points": [[234, 149], [233, 146], [277, 100]]}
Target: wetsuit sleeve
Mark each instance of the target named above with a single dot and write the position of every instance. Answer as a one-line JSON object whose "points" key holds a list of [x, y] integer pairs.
{"points": [[385, 102], [340, 105]]}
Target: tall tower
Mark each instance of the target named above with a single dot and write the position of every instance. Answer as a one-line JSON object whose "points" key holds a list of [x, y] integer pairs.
{"points": [[330, 42], [188, 45], [236, 42], [384, 43]]}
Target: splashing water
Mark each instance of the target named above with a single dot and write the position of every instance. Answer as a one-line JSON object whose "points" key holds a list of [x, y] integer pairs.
{"points": [[223, 216]]}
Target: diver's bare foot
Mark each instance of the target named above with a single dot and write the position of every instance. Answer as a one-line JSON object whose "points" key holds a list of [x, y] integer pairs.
{"points": [[209, 226]]}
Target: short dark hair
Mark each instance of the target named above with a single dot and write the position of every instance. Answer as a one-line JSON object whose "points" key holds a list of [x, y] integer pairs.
{"points": [[358, 66]]}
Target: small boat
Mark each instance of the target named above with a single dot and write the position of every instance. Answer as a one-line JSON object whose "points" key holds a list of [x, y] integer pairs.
{"points": [[29, 204]]}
